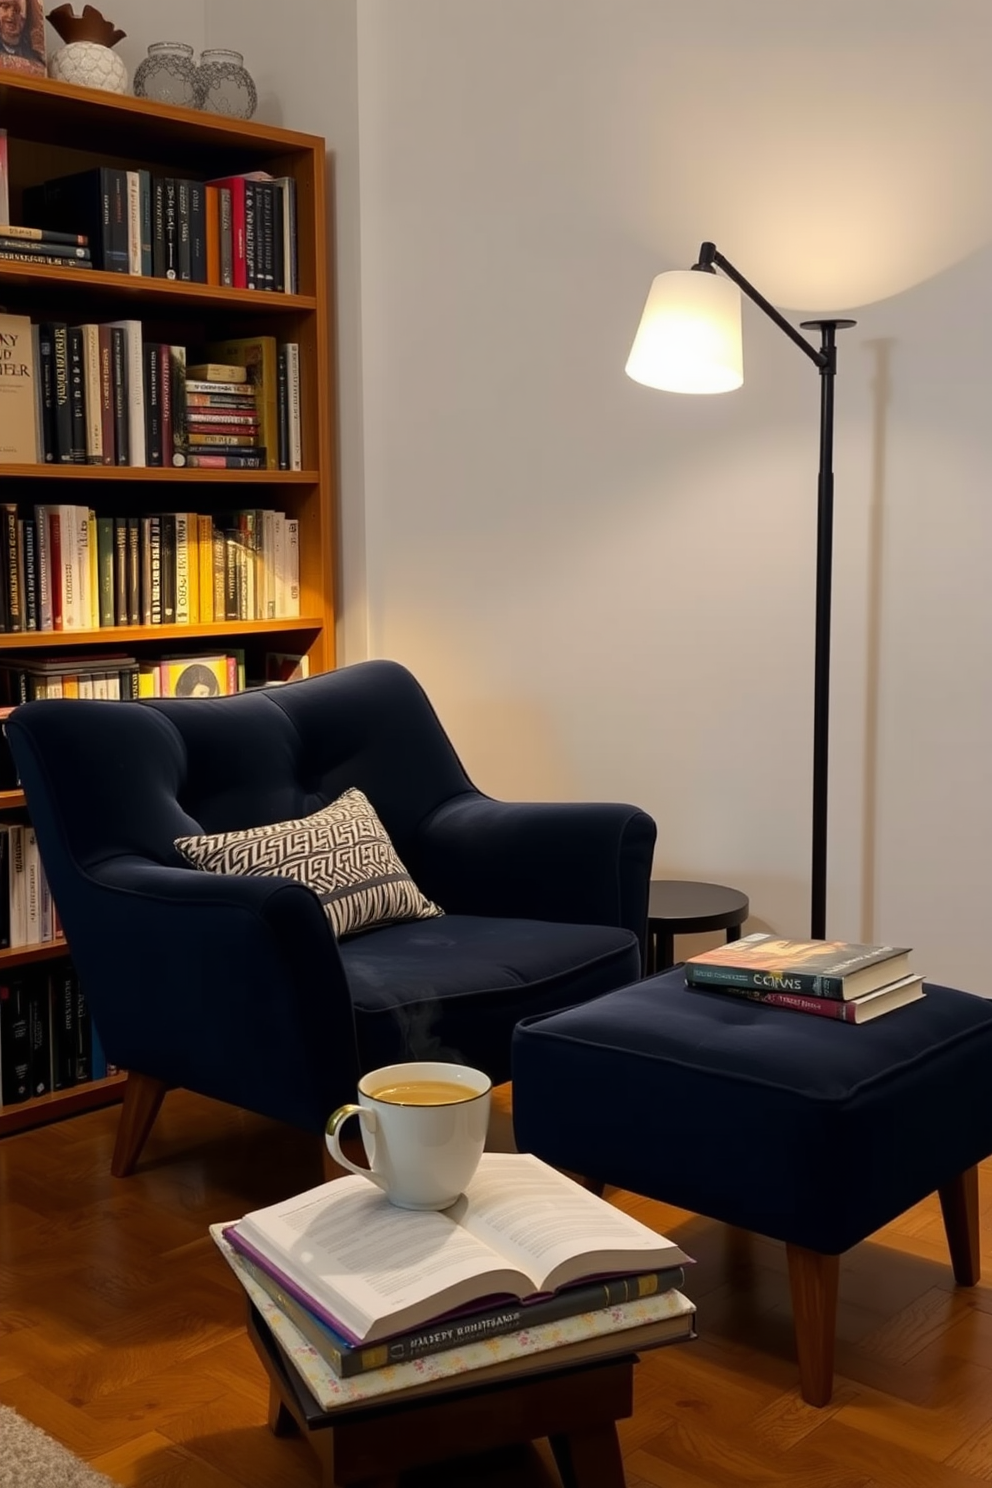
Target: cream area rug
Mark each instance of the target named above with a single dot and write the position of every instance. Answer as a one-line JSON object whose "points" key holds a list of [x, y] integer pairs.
{"points": [[30, 1459]]}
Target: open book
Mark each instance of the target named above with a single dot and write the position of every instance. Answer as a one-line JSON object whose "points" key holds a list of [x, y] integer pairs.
{"points": [[370, 1270]]}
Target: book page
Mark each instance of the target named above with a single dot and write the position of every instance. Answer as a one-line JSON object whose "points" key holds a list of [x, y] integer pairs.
{"points": [[551, 1228], [373, 1264]]}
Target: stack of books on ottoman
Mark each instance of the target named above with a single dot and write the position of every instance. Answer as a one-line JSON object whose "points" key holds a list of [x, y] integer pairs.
{"points": [[366, 1299], [830, 978]]}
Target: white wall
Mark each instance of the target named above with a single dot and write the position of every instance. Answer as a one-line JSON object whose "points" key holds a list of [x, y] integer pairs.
{"points": [[607, 591]]}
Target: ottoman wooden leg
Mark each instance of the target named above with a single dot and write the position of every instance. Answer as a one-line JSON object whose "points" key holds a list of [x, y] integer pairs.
{"points": [[959, 1205], [813, 1284]]}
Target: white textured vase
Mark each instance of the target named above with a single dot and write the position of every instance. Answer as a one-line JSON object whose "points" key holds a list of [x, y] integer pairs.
{"points": [[89, 65]]}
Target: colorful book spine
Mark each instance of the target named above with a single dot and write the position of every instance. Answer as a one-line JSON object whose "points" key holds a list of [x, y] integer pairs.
{"points": [[330, 1390], [349, 1360]]}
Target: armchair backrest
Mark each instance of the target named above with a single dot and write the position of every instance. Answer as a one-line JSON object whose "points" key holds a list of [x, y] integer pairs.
{"points": [[105, 780]]}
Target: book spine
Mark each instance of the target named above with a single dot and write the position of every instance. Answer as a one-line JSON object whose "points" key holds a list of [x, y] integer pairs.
{"points": [[91, 394], [251, 236], [122, 431], [45, 235], [796, 1002], [14, 616], [39, 1038], [145, 224], [46, 394], [62, 1023], [30, 252], [15, 1044], [77, 395], [197, 232], [133, 571], [117, 187], [106, 396], [170, 220], [158, 227], [728, 978], [31, 606], [133, 186], [282, 404], [105, 569], [184, 253], [201, 461], [63, 409], [153, 403], [225, 250]]}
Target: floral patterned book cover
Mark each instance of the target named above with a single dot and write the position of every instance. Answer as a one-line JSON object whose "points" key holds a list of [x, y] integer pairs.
{"points": [[329, 1390]]}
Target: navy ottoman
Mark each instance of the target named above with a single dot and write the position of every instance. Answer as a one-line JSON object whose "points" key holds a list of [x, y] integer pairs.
{"points": [[810, 1131]]}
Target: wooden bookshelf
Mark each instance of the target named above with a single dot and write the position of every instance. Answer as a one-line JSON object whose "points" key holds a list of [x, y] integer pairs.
{"points": [[56, 129]]}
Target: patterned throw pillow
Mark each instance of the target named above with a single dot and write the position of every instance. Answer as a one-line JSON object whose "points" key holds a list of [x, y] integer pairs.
{"points": [[342, 852]]}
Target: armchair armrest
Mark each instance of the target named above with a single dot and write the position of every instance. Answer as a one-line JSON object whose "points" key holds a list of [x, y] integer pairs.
{"points": [[577, 862], [218, 982]]}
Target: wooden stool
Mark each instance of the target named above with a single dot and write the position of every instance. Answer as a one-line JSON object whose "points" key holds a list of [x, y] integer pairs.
{"points": [[576, 1408]]}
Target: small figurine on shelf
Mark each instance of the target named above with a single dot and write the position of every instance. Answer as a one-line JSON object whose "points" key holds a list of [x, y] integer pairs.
{"points": [[22, 36], [86, 59]]}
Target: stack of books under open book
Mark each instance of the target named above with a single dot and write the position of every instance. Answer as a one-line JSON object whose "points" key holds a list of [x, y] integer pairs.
{"points": [[830, 978], [366, 1299]]}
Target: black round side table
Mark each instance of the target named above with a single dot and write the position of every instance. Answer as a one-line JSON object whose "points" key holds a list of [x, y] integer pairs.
{"points": [[676, 907]]}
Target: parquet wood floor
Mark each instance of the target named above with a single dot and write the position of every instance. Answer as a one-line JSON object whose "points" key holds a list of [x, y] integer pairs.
{"points": [[121, 1332]]}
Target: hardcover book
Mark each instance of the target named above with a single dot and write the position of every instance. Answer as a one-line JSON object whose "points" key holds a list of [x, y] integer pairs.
{"points": [[855, 1010], [18, 393], [668, 1317], [816, 968], [520, 1230]]}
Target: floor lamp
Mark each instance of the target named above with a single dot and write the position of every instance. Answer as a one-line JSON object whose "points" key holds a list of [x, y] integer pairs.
{"points": [[689, 341]]}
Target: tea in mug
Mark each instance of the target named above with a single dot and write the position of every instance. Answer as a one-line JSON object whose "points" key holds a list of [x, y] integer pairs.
{"points": [[424, 1093]]}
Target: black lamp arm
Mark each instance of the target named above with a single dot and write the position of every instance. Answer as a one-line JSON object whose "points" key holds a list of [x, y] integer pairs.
{"points": [[710, 259]]}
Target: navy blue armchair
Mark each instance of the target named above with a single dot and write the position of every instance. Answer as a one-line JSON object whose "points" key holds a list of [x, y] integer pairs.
{"points": [[235, 986]]}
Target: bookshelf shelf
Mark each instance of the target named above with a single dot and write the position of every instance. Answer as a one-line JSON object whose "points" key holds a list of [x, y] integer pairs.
{"points": [[55, 129], [156, 474], [35, 640], [26, 955], [161, 292], [61, 1103]]}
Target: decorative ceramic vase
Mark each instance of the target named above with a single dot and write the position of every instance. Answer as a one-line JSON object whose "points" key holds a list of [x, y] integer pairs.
{"points": [[224, 85], [168, 74], [87, 59]]}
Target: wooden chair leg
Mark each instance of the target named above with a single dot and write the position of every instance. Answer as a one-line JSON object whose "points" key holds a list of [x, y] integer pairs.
{"points": [[959, 1206], [143, 1096], [813, 1284]]}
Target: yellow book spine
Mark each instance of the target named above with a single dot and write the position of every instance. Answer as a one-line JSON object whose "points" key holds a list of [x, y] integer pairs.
{"points": [[205, 557], [193, 539]]}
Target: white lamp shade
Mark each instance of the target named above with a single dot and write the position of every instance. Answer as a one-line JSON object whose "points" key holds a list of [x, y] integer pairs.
{"points": [[689, 338]]}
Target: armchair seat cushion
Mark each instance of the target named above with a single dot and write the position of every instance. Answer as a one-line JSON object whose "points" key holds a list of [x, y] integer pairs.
{"points": [[455, 987]]}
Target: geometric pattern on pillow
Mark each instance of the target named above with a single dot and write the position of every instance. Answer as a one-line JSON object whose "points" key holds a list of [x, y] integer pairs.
{"points": [[342, 852]]}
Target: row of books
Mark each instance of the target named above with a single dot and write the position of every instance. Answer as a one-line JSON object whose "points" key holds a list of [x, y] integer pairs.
{"points": [[577, 1269], [65, 568], [237, 230], [27, 911], [118, 678], [99, 393], [47, 1038], [837, 979]]}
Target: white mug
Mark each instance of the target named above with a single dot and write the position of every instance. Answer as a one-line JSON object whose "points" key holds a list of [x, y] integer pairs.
{"points": [[424, 1128]]}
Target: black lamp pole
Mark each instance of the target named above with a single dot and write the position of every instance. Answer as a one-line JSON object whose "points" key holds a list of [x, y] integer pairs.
{"points": [[823, 357]]}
